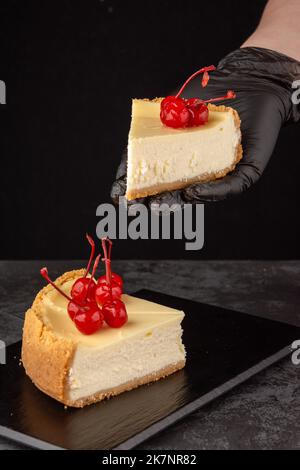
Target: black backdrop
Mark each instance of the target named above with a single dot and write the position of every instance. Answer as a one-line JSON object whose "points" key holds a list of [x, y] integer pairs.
{"points": [[71, 69]]}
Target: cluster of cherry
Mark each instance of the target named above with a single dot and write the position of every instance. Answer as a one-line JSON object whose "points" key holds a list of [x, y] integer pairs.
{"points": [[91, 303], [179, 112]]}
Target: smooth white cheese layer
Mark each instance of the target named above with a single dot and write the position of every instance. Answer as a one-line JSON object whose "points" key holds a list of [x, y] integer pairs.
{"points": [[158, 154], [129, 360]]}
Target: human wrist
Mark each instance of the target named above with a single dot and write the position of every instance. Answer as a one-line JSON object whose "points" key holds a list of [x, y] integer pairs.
{"points": [[278, 29], [270, 70], [267, 40]]}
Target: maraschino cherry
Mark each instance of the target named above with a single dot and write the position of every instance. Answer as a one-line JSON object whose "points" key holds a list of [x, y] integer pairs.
{"points": [[83, 288], [105, 291], [83, 304], [108, 294], [86, 315], [115, 313], [89, 319], [178, 112], [116, 279], [109, 284]]}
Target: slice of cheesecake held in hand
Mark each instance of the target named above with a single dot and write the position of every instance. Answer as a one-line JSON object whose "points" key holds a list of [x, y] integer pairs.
{"points": [[162, 158]]}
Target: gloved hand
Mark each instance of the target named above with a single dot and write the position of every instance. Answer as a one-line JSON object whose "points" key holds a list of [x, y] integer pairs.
{"points": [[262, 80]]}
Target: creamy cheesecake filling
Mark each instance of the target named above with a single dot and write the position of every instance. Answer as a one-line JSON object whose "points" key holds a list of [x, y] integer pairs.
{"points": [[127, 361], [148, 342], [161, 155]]}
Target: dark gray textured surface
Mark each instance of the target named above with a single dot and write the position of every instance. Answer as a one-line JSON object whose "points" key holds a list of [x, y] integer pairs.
{"points": [[262, 414]]}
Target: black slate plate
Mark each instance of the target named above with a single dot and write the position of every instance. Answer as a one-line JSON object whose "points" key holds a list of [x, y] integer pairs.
{"points": [[224, 348]]}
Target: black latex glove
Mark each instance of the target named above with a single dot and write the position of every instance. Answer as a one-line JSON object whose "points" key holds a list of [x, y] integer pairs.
{"points": [[262, 80]]}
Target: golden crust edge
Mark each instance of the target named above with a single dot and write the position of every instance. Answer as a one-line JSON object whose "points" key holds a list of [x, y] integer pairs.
{"points": [[204, 178], [45, 356], [153, 100]]}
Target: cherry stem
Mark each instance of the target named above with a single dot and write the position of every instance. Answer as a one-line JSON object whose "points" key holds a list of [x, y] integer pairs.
{"points": [[230, 94], [44, 273], [205, 79], [109, 249], [107, 260], [96, 262], [109, 264], [92, 243]]}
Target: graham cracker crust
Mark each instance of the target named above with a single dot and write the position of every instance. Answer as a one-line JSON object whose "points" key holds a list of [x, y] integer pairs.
{"points": [[46, 357]]}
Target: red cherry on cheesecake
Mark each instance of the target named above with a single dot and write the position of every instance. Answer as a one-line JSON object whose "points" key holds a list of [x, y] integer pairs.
{"points": [[198, 112], [108, 293], [83, 288], [82, 306], [104, 291], [89, 319], [111, 284], [86, 315], [173, 112], [73, 307], [115, 313], [177, 112], [115, 278]]}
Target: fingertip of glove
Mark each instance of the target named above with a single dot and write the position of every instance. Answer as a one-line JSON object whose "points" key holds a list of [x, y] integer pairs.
{"points": [[207, 192]]}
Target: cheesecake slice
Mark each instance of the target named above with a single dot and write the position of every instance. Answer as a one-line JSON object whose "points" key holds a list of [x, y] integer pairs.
{"points": [[161, 158], [77, 369]]}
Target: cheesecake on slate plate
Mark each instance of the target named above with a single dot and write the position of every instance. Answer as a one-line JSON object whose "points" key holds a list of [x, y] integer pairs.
{"points": [[168, 150], [78, 369], [161, 158]]}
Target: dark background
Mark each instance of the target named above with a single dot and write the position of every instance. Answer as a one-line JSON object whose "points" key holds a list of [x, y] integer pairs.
{"points": [[71, 69]]}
